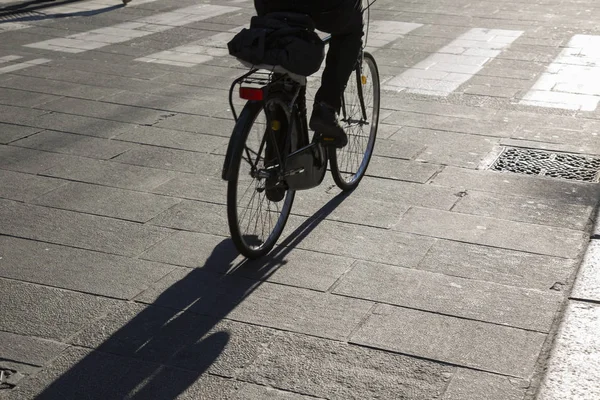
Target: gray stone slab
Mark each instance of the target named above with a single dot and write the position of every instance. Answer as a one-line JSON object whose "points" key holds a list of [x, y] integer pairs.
{"points": [[587, 285], [540, 239], [9, 132], [195, 216], [19, 115], [525, 209], [78, 145], [195, 187], [74, 269], [45, 312], [24, 98], [109, 202], [403, 170], [356, 241], [577, 147], [293, 267], [503, 266], [20, 159], [109, 173], [59, 88], [335, 370], [519, 185], [447, 148], [466, 298], [474, 344], [199, 124], [174, 139], [264, 304], [474, 385], [173, 159], [353, 209], [81, 124], [407, 193], [83, 373], [28, 350], [396, 149], [497, 128], [78, 230], [98, 109], [25, 187], [573, 371]]}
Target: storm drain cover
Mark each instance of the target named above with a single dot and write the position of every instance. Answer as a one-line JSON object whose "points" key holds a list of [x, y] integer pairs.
{"points": [[547, 163]]}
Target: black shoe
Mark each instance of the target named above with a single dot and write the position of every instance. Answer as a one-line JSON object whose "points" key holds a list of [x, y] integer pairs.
{"points": [[324, 121]]}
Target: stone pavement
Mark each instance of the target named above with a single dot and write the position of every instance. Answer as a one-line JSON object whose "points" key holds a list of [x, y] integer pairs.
{"points": [[436, 279]]}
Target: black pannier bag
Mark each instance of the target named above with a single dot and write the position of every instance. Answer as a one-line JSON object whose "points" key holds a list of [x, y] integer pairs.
{"points": [[285, 39]]}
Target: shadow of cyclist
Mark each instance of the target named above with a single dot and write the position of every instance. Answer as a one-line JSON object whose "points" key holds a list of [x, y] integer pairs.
{"points": [[168, 345]]}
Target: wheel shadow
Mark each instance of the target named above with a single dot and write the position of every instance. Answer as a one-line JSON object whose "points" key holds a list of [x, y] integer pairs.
{"points": [[175, 339]]}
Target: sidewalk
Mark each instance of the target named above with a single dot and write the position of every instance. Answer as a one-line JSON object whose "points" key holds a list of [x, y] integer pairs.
{"points": [[438, 278]]}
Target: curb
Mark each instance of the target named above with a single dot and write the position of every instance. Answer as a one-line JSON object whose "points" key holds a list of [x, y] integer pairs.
{"points": [[573, 371]]}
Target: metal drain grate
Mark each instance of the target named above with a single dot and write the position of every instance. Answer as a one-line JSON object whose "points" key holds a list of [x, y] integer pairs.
{"points": [[546, 163]]}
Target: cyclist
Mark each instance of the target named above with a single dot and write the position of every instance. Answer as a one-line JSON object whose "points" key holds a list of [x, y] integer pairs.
{"points": [[343, 20]]}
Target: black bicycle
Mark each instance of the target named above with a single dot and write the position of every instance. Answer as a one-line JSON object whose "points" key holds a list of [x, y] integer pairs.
{"points": [[270, 154]]}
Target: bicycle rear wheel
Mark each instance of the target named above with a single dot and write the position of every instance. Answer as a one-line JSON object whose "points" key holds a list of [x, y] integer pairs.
{"points": [[258, 205], [349, 164]]}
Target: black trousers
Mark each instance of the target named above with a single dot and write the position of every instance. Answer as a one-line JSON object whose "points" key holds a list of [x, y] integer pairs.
{"points": [[341, 18]]}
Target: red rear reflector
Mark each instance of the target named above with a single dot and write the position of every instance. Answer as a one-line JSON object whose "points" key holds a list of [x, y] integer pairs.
{"points": [[251, 93]]}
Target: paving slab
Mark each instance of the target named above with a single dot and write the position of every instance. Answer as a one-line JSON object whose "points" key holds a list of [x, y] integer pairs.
{"points": [[10, 132], [447, 148], [110, 173], [519, 185], [587, 285], [25, 353], [75, 269], [195, 187], [195, 216], [474, 344], [174, 139], [265, 304], [335, 370], [80, 124], [106, 201], [49, 313], [184, 340], [78, 145], [357, 241], [25, 99], [503, 266], [19, 159], [393, 168], [524, 209], [200, 124], [78, 230], [25, 187], [540, 239], [474, 385], [466, 298]]}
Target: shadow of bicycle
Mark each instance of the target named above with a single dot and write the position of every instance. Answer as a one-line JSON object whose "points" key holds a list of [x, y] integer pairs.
{"points": [[175, 338]]}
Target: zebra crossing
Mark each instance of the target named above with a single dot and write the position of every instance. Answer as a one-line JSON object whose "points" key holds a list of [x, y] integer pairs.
{"points": [[569, 82]]}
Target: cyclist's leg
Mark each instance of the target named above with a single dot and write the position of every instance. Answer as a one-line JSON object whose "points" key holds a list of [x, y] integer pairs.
{"points": [[345, 24]]}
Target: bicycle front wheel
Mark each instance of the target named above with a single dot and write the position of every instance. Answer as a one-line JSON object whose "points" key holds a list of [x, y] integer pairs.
{"points": [[360, 119], [257, 205]]}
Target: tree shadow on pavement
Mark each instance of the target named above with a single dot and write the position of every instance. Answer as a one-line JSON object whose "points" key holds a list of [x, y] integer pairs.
{"points": [[30, 11], [171, 343]]}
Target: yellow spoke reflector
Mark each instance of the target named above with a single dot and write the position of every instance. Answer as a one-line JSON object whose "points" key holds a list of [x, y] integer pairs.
{"points": [[364, 79], [275, 125]]}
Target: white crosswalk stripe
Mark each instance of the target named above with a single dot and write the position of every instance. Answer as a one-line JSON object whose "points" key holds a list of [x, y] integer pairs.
{"points": [[123, 32], [443, 72], [21, 65], [572, 81], [66, 9], [195, 53]]}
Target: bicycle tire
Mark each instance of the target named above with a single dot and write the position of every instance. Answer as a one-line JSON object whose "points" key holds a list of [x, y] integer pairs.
{"points": [[250, 244], [349, 164]]}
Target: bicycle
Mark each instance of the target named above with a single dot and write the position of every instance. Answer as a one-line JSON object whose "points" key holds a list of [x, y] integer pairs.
{"points": [[270, 155]]}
